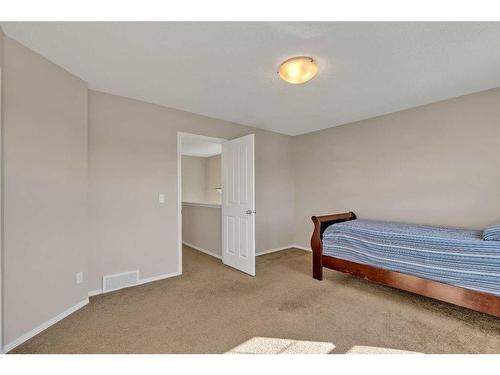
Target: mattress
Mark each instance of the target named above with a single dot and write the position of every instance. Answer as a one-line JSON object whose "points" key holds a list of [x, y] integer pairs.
{"points": [[453, 256]]}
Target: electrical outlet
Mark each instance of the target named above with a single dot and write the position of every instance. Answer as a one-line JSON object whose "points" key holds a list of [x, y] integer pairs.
{"points": [[79, 277]]}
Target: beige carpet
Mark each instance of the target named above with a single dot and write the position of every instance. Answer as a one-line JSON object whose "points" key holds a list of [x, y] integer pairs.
{"points": [[212, 308]]}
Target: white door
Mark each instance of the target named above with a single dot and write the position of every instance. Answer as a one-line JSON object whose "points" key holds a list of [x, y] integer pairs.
{"points": [[238, 204]]}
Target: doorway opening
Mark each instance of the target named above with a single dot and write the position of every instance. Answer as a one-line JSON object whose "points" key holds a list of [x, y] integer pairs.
{"points": [[216, 198], [201, 191]]}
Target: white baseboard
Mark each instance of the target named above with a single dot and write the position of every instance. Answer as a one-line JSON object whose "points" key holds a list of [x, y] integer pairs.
{"points": [[208, 252], [282, 248], [8, 347], [140, 282], [302, 247], [272, 250], [156, 278], [95, 292]]}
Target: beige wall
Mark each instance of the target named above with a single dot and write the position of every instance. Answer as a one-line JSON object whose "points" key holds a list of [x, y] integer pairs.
{"points": [[213, 179], [200, 177], [436, 164], [46, 176], [194, 179], [133, 157], [202, 227]]}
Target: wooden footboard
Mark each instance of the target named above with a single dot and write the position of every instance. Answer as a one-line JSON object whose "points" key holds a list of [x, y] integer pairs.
{"points": [[474, 300]]}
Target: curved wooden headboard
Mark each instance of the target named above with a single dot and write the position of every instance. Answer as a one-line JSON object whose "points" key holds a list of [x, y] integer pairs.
{"points": [[320, 224]]}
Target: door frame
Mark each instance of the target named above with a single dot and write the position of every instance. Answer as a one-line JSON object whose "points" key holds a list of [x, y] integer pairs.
{"points": [[179, 187]]}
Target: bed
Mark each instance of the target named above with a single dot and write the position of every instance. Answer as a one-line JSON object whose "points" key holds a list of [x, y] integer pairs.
{"points": [[452, 265]]}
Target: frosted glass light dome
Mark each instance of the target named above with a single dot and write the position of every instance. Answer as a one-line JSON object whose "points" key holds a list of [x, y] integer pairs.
{"points": [[298, 70]]}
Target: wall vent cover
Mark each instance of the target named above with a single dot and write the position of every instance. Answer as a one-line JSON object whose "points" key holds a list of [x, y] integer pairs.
{"points": [[119, 280]]}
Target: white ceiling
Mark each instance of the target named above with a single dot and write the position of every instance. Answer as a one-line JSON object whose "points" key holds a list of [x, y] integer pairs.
{"points": [[228, 70], [194, 146]]}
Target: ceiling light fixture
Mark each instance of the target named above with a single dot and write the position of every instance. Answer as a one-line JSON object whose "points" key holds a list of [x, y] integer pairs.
{"points": [[298, 70]]}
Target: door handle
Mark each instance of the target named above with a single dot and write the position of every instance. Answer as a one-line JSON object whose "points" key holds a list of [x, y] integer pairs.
{"points": [[249, 212]]}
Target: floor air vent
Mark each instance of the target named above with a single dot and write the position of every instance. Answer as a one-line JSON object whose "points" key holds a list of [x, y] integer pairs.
{"points": [[119, 281]]}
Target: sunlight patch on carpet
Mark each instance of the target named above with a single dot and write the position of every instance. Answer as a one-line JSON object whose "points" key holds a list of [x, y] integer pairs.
{"points": [[360, 349], [271, 345]]}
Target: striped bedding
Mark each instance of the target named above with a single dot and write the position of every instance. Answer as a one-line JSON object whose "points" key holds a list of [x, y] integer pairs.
{"points": [[452, 256]]}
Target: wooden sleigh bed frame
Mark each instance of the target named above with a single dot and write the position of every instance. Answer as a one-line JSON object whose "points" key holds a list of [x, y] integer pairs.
{"points": [[479, 301]]}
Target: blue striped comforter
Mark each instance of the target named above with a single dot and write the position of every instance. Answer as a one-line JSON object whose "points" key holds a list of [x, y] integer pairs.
{"points": [[452, 256]]}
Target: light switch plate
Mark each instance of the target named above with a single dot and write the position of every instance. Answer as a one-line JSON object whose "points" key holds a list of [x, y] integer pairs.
{"points": [[79, 277], [161, 198]]}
